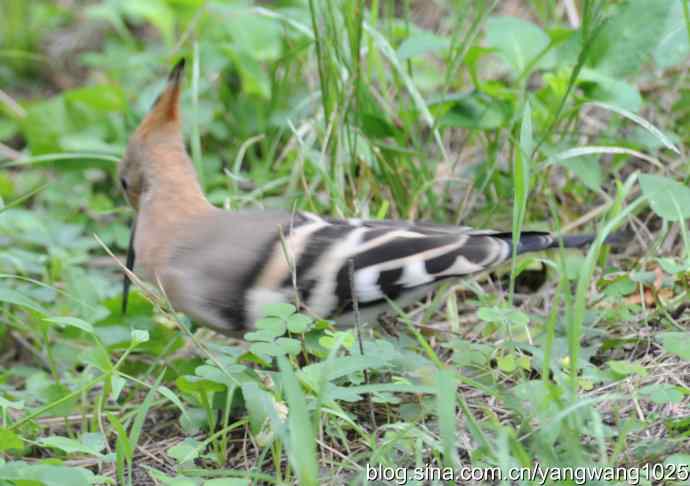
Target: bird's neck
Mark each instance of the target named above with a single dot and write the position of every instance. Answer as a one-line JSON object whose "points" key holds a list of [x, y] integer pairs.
{"points": [[172, 198], [171, 180]]}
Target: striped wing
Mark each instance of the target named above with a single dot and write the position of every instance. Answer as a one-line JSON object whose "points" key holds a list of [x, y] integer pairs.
{"points": [[232, 264], [390, 260]]}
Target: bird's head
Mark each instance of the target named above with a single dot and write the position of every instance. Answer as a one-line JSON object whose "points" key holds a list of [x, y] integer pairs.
{"points": [[158, 137]]}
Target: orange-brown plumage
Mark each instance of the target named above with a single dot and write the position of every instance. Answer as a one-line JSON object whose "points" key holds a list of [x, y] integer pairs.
{"points": [[159, 180]]}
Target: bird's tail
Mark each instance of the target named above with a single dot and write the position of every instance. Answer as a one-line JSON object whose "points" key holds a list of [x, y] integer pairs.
{"points": [[531, 241]]}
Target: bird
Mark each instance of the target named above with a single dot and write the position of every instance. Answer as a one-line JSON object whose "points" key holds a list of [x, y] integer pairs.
{"points": [[223, 267]]}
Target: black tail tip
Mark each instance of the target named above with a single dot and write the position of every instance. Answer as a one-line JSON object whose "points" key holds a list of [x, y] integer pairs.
{"points": [[176, 73]]}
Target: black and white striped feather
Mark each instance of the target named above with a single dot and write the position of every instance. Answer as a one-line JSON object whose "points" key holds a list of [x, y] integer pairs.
{"points": [[238, 262]]}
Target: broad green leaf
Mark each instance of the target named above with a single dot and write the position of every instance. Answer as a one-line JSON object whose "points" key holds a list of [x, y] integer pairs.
{"points": [[261, 405], [11, 296], [476, 110], [214, 373], [422, 43], [71, 321], [104, 97], [274, 325], [71, 446], [117, 384], [587, 168], [629, 37], [668, 198], [279, 310], [194, 384], [289, 345], [255, 81], [299, 323], [507, 363], [270, 349], [46, 474], [503, 315], [677, 343], [671, 266], [662, 393], [227, 482], [9, 440], [680, 460], [43, 125], [5, 403], [625, 368], [259, 38], [673, 47], [157, 12], [519, 42], [139, 336], [267, 335], [611, 90], [185, 451]]}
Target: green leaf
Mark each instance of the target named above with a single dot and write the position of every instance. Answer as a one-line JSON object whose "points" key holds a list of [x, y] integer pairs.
{"points": [[612, 90], [267, 335], [276, 326], [43, 125], [139, 336], [668, 198], [503, 315], [279, 310], [302, 448], [519, 42], [45, 474], [662, 393], [227, 482], [629, 37], [104, 98], [673, 47], [157, 12], [270, 349], [299, 323], [117, 384], [672, 267], [422, 43], [9, 440], [5, 403], [507, 363], [289, 345], [620, 287], [476, 110], [185, 451], [71, 321], [261, 405], [626, 368], [11, 296], [71, 446], [680, 460], [677, 343], [194, 384], [587, 168], [255, 81]]}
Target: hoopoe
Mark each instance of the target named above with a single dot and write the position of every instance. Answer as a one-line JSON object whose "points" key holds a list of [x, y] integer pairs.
{"points": [[222, 267]]}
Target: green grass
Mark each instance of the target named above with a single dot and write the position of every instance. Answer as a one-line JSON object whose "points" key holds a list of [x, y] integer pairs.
{"points": [[493, 114]]}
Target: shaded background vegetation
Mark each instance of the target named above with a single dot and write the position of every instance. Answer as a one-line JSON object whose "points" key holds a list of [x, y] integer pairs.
{"points": [[571, 116]]}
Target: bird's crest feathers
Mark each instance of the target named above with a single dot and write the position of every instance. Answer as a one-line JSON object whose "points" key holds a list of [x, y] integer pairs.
{"points": [[166, 108]]}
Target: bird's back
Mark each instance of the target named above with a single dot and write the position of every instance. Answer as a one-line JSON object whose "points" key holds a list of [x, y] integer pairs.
{"points": [[228, 265]]}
